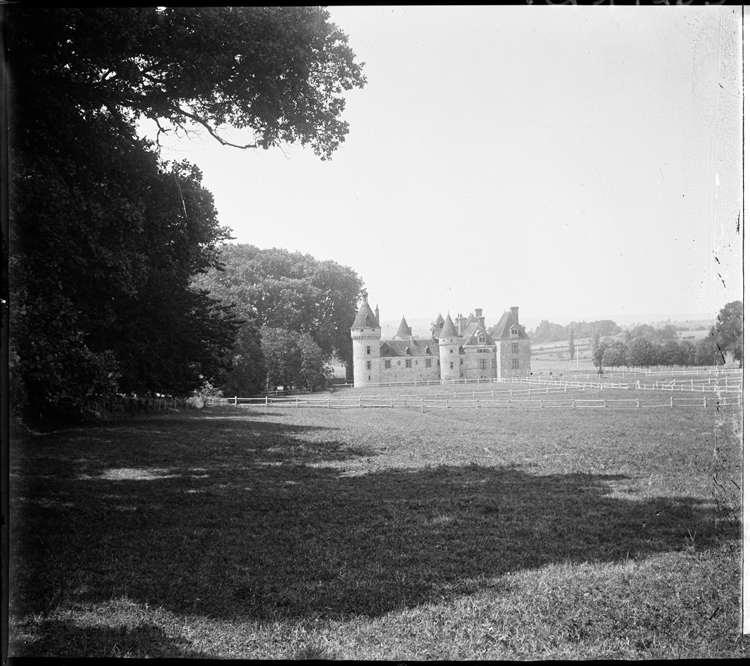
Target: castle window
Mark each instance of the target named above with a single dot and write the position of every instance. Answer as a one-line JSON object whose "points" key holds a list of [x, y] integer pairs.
{"points": [[408, 363], [514, 331], [369, 365], [515, 364], [428, 363], [451, 365], [462, 361], [482, 340], [483, 364], [514, 347], [368, 349], [388, 364]]}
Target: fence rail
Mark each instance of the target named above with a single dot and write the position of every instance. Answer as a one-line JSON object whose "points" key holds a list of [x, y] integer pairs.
{"points": [[414, 402]]}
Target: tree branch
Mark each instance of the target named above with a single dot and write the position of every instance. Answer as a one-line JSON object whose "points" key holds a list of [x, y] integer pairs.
{"points": [[212, 131]]}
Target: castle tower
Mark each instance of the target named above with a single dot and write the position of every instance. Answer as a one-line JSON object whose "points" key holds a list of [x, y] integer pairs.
{"points": [[365, 334], [450, 344]]}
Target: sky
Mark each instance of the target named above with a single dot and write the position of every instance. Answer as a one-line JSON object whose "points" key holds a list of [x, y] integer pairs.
{"points": [[580, 163]]}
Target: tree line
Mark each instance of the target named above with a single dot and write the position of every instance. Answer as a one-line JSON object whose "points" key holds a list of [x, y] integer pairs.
{"points": [[651, 346], [106, 238]]}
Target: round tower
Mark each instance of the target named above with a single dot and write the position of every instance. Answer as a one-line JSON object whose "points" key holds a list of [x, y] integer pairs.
{"points": [[450, 345], [365, 333]]}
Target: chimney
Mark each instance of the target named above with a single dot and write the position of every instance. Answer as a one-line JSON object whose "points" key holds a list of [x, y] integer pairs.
{"points": [[377, 314], [478, 315], [514, 312]]}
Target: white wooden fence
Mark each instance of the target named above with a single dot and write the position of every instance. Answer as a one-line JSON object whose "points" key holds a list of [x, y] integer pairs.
{"points": [[514, 399]]}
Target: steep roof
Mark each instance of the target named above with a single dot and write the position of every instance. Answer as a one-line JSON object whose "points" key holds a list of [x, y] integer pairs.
{"points": [[410, 347], [473, 332], [449, 330], [365, 317], [439, 321], [403, 329], [502, 328]]}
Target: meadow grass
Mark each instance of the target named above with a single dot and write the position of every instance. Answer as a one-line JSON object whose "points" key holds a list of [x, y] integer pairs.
{"points": [[380, 534]]}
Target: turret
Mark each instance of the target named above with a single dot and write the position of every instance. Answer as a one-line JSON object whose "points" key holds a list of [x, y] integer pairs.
{"points": [[450, 345], [365, 334]]}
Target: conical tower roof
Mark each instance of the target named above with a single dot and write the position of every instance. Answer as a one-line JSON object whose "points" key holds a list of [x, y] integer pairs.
{"points": [[449, 330], [365, 317], [403, 329]]}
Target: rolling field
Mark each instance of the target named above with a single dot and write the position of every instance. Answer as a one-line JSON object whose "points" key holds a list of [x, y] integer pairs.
{"points": [[381, 534]]}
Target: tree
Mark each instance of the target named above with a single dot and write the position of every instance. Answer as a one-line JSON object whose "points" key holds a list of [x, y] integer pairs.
{"points": [[728, 330], [548, 332], [688, 352], [278, 73], [293, 360], [640, 352], [314, 367], [616, 355], [248, 373], [290, 290], [708, 351], [572, 341], [105, 236], [670, 353]]}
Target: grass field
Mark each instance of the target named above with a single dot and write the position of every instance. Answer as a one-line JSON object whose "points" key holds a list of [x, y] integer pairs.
{"points": [[380, 534]]}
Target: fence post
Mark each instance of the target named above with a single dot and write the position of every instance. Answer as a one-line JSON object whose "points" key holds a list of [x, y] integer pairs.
{"points": [[297, 401], [235, 401], [574, 403], [329, 403], [705, 403], [671, 401], [421, 405], [267, 401], [637, 404], [391, 402]]}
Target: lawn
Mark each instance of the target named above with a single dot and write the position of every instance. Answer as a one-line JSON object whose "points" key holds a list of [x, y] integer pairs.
{"points": [[380, 534]]}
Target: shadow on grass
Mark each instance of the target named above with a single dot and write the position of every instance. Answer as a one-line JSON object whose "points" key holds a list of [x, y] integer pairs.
{"points": [[60, 638], [261, 524]]}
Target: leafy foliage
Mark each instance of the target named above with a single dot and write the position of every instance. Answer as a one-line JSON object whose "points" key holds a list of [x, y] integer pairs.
{"points": [[293, 360], [290, 291], [729, 330], [106, 237]]}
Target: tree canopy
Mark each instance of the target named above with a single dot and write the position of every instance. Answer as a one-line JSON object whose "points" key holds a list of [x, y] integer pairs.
{"points": [[729, 330], [105, 236], [291, 291]]}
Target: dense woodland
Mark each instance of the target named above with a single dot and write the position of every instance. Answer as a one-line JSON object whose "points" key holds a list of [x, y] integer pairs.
{"points": [[106, 238]]}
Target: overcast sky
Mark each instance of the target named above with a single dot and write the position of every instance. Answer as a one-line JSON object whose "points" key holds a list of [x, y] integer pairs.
{"points": [[577, 162]]}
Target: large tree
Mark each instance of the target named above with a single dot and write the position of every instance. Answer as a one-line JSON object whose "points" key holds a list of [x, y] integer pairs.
{"points": [[105, 236], [728, 330], [291, 291]]}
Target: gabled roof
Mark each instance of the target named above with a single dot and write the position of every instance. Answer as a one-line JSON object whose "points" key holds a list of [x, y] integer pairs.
{"points": [[471, 318], [439, 321], [404, 331], [473, 332], [449, 330], [365, 317], [502, 328]]}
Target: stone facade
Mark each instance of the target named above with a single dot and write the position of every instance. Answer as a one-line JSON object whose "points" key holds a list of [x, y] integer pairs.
{"points": [[461, 350]]}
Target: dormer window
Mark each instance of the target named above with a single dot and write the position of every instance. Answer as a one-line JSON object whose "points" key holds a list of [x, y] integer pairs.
{"points": [[514, 331], [482, 340]]}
